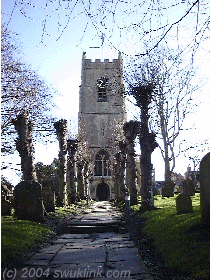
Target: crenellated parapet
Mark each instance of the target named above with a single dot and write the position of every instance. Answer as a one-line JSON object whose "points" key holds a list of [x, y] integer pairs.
{"points": [[101, 62], [98, 63]]}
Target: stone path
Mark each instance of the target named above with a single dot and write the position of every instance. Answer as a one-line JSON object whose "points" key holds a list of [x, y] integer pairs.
{"points": [[100, 249]]}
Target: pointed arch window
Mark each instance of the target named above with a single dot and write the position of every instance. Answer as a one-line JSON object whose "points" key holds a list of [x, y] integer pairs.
{"points": [[102, 165]]}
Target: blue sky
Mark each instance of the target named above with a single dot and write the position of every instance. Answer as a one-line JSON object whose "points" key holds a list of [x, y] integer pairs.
{"points": [[58, 61]]}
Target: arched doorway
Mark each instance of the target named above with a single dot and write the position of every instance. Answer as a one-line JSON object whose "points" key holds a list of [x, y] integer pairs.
{"points": [[102, 192]]}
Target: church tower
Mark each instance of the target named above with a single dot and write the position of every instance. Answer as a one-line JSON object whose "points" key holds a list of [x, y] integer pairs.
{"points": [[101, 118]]}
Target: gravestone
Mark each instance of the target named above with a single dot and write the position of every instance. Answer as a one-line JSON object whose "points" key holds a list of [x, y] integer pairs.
{"points": [[6, 196], [188, 187], [205, 189], [6, 207], [168, 189], [183, 204], [28, 203]]}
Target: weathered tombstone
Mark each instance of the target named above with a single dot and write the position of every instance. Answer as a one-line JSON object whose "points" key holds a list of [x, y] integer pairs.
{"points": [[6, 205], [6, 208], [48, 195], [168, 189], [28, 202], [205, 189], [188, 187], [183, 204]]}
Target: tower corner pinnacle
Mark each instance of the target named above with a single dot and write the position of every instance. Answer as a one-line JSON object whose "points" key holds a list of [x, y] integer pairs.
{"points": [[84, 55]]}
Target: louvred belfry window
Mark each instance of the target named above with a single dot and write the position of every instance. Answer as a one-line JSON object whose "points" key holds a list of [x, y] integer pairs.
{"points": [[102, 89]]}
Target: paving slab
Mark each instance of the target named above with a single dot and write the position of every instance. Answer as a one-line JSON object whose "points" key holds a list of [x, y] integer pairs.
{"points": [[94, 255], [51, 249], [80, 255]]}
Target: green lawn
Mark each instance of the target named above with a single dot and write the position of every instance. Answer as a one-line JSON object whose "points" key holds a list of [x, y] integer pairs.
{"points": [[72, 209], [18, 235], [180, 239]]}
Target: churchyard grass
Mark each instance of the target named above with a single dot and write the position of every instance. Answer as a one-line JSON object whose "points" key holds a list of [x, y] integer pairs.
{"points": [[61, 212], [180, 239], [72, 209], [18, 235]]}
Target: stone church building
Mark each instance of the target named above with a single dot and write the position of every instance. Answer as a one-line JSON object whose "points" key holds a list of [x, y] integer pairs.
{"points": [[101, 117]]}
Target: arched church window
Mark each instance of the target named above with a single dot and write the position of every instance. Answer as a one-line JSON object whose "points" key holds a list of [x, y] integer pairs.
{"points": [[102, 89], [102, 164]]}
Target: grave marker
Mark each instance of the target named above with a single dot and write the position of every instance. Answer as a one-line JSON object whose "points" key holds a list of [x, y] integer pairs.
{"points": [[183, 204], [28, 202], [189, 187], [205, 189]]}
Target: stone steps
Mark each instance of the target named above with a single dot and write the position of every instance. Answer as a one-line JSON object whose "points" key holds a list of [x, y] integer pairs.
{"points": [[91, 228]]}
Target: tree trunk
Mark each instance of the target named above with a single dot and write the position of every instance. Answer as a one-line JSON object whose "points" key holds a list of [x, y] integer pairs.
{"points": [[80, 180], [143, 96], [122, 146], [168, 188], [145, 163], [24, 145], [28, 203], [167, 164], [119, 177], [86, 185], [61, 130], [131, 129], [71, 167]]}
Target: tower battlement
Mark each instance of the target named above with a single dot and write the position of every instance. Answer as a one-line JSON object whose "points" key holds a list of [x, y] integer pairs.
{"points": [[98, 63], [101, 61]]}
